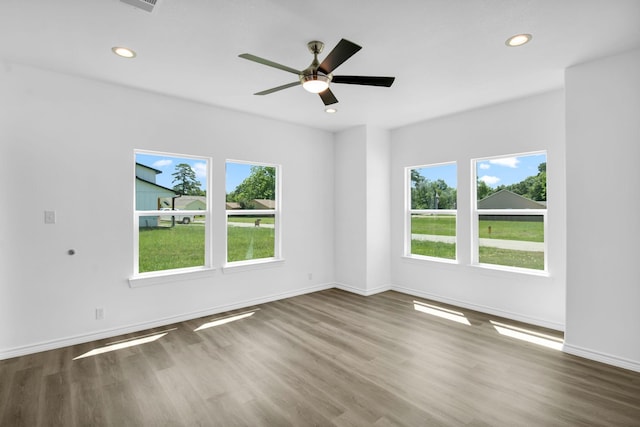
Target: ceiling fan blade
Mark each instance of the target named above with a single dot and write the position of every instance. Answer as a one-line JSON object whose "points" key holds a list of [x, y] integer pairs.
{"points": [[364, 80], [343, 51], [328, 97], [268, 63], [275, 89]]}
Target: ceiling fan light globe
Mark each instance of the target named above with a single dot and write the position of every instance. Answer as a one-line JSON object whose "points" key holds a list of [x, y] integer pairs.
{"points": [[315, 83]]}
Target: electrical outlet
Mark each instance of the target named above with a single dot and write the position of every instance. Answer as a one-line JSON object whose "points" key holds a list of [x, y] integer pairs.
{"points": [[49, 217], [99, 313], [310, 276]]}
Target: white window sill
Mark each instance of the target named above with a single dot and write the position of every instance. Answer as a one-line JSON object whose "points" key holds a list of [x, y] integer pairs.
{"points": [[511, 270], [258, 264], [169, 276]]}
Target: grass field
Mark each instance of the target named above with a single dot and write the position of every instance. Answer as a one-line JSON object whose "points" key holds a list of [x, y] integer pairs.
{"points": [[445, 225], [245, 243], [506, 257], [165, 248], [182, 246], [435, 249]]}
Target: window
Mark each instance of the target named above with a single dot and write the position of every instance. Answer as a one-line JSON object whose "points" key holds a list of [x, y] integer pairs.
{"points": [[252, 212], [431, 213], [510, 215], [172, 214]]}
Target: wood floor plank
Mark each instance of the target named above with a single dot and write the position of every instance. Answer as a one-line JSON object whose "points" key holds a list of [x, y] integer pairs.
{"points": [[328, 358]]}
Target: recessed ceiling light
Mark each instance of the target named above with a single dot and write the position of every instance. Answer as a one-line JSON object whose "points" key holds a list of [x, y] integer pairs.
{"points": [[330, 110], [124, 52], [518, 40]]}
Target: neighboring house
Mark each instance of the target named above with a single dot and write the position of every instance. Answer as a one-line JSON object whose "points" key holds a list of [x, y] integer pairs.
{"points": [[505, 199], [264, 204], [149, 194], [186, 203], [257, 204]]}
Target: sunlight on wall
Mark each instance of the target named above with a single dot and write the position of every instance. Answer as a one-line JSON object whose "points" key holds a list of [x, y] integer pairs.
{"points": [[444, 313], [224, 320], [528, 335]]}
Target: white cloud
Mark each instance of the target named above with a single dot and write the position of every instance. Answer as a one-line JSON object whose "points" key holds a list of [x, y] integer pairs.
{"points": [[161, 163], [200, 169], [484, 166], [490, 180], [510, 162]]}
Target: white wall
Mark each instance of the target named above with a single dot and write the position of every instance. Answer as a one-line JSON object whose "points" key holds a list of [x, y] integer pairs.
{"points": [[362, 210], [530, 124], [67, 145], [603, 199], [350, 200], [378, 210]]}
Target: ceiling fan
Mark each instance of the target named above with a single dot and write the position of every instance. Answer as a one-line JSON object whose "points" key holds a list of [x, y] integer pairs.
{"points": [[317, 76]]}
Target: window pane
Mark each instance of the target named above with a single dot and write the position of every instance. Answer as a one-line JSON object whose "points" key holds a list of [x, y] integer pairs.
{"points": [[434, 187], [168, 238], [512, 240], [170, 183], [516, 182], [166, 246], [250, 237], [250, 186], [433, 235]]}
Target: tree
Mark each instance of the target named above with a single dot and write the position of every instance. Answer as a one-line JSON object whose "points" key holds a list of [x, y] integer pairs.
{"points": [[483, 190], [187, 184], [260, 184], [532, 187], [425, 192]]}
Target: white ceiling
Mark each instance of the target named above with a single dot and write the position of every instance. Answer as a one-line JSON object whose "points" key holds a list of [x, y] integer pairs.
{"points": [[447, 55]]}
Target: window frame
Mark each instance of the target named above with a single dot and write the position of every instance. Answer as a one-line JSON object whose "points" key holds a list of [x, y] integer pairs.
{"points": [[409, 212], [276, 212], [161, 276], [476, 213]]}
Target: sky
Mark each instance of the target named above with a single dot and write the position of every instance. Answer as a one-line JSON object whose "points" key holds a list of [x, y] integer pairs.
{"points": [[494, 172], [508, 170], [236, 172]]}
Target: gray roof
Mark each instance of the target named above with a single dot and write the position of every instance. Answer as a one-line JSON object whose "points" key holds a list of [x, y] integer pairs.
{"points": [[505, 199]]}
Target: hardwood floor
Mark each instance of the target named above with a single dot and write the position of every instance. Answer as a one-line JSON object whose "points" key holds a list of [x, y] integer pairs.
{"points": [[328, 358]]}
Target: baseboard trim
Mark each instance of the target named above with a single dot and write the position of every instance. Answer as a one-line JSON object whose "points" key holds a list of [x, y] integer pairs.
{"points": [[481, 308], [602, 357], [363, 292], [108, 333]]}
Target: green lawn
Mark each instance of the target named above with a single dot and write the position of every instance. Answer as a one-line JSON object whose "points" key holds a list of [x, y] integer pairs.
{"points": [[439, 225], [512, 258], [507, 257], [435, 249], [445, 225], [182, 246], [164, 248], [245, 243]]}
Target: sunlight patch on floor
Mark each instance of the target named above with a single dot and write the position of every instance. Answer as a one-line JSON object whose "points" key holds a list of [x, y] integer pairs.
{"points": [[442, 312], [124, 344], [224, 320], [528, 335]]}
